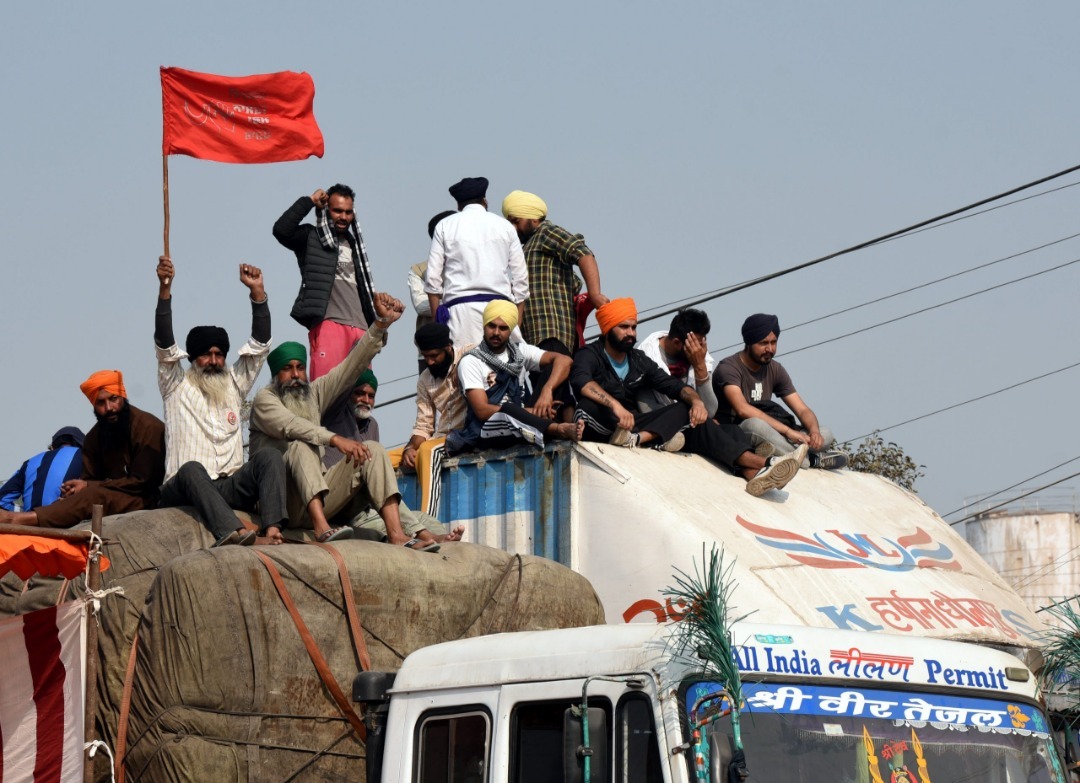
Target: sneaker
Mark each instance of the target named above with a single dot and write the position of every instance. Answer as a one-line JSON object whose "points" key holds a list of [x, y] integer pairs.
{"points": [[764, 449], [829, 460], [801, 454], [675, 443], [625, 438], [776, 474]]}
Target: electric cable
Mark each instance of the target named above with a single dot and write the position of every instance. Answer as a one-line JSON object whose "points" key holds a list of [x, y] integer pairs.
{"points": [[1013, 500], [1014, 486], [866, 244], [967, 402], [933, 307], [927, 284]]}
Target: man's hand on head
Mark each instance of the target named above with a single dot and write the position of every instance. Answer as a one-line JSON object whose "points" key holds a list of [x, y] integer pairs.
{"points": [[252, 278], [320, 199], [696, 349], [388, 309]]}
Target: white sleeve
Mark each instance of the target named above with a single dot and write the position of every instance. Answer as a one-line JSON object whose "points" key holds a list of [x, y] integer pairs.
{"points": [[519, 273], [433, 280], [472, 373], [169, 372], [418, 295], [532, 356]]}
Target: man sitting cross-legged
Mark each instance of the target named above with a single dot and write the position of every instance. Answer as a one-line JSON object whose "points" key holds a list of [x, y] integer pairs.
{"points": [[285, 417], [493, 378], [610, 374]]}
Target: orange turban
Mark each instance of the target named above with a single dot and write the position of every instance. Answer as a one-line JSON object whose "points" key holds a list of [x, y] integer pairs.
{"points": [[111, 381], [615, 312]]}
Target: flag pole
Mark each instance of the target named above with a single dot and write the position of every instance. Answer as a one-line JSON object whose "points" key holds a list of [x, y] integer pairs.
{"points": [[93, 583], [165, 201]]}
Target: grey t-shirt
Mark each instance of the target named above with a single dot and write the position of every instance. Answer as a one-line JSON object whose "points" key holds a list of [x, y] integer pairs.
{"points": [[757, 387], [344, 305]]}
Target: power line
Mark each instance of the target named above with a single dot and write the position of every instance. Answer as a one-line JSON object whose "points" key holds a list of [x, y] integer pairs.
{"points": [[1013, 500], [1014, 486], [863, 245], [934, 307], [917, 287], [723, 291], [1049, 568], [967, 402]]}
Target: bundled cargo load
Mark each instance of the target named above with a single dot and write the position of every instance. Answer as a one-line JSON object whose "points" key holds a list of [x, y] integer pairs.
{"points": [[223, 686]]}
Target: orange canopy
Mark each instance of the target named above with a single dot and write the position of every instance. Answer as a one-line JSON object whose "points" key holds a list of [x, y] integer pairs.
{"points": [[29, 555]]}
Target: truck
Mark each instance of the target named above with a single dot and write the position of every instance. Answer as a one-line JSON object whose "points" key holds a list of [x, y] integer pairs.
{"points": [[618, 703]]}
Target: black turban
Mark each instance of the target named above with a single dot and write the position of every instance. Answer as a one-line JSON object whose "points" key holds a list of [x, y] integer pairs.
{"points": [[469, 189], [432, 337], [757, 327], [202, 338]]}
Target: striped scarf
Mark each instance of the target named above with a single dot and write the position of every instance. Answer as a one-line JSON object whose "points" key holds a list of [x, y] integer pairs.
{"points": [[328, 239]]}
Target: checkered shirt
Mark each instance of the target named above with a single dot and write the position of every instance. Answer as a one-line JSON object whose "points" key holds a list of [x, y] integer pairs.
{"points": [[551, 254]]}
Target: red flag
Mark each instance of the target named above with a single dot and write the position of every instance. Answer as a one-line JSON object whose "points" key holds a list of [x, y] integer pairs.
{"points": [[239, 119]]}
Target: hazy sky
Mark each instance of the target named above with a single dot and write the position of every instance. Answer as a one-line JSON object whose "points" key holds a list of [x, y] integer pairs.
{"points": [[694, 144]]}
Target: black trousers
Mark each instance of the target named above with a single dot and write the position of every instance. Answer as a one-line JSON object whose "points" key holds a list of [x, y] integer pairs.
{"points": [[722, 443], [258, 485], [537, 379]]}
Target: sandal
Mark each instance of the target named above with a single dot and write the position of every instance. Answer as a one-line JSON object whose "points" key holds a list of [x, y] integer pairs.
{"points": [[415, 544], [334, 534]]}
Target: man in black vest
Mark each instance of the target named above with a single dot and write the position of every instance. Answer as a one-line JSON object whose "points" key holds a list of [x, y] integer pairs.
{"points": [[336, 299]]}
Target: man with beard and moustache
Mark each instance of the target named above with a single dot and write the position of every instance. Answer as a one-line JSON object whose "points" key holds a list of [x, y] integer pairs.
{"points": [[285, 419], [123, 459], [493, 378], [359, 424], [745, 383], [440, 409], [205, 465], [609, 375], [336, 299]]}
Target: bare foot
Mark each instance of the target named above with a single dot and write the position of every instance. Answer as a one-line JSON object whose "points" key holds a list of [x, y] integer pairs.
{"points": [[567, 431], [398, 540], [453, 535], [273, 536]]}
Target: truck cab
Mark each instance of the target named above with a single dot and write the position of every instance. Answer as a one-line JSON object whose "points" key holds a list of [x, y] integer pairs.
{"points": [[620, 703]]}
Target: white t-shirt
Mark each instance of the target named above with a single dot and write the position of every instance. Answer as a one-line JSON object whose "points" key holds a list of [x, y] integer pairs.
{"points": [[474, 373]]}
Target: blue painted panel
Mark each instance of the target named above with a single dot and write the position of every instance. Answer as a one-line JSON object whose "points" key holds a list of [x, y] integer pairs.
{"points": [[497, 484]]}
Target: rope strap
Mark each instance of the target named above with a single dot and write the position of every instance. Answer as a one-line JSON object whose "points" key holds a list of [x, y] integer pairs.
{"points": [[313, 651]]}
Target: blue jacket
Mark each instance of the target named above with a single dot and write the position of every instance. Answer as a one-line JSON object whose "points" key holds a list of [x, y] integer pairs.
{"points": [[38, 480]]}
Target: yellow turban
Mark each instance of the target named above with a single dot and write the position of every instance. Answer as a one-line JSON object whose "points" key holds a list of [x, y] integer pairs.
{"points": [[111, 381], [520, 204], [500, 308], [615, 312]]}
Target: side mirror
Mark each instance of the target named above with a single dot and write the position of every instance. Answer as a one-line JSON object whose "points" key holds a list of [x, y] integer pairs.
{"points": [[574, 750]]}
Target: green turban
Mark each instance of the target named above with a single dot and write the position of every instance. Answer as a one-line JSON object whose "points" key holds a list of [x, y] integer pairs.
{"points": [[367, 377], [284, 354]]}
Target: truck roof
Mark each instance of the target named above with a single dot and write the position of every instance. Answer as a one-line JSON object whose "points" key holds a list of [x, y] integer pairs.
{"points": [[764, 650], [834, 549]]}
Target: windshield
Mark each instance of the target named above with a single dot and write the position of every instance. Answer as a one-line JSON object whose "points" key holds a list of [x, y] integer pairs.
{"points": [[824, 734]]}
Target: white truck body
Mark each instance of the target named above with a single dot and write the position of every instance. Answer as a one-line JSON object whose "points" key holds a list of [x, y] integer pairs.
{"points": [[833, 549], [821, 705]]}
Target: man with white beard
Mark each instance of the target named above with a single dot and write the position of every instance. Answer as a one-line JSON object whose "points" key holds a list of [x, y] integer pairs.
{"points": [[285, 419], [356, 420], [204, 462]]}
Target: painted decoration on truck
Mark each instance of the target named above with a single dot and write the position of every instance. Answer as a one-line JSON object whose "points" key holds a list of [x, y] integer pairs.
{"points": [[840, 549], [903, 708]]}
